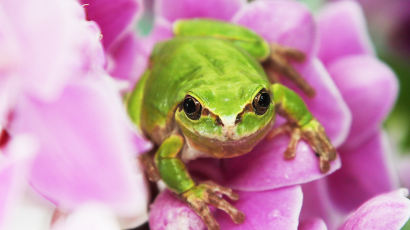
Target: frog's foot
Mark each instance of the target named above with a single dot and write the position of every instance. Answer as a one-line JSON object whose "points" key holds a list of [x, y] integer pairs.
{"points": [[149, 167], [206, 193], [279, 64], [315, 135]]}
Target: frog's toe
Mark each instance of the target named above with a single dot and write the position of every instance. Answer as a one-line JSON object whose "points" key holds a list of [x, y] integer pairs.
{"points": [[203, 211], [315, 135], [209, 192], [280, 62], [214, 187], [237, 216]]}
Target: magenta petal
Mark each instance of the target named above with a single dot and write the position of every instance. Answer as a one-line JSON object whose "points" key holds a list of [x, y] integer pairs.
{"points": [[124, 61], [113, 17], [317, 204], [288, 23], [342, 31], [312, 224], [387, 211], [328, 105], [369, 88], [128, 57], [274, 209], [365, 173], [178, 9], [265, 167], [86, 151]]}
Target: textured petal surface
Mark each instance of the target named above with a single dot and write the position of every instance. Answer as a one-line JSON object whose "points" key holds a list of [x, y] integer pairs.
{"points": [[274, 209], [328, 105], [178, 9], [44, 64], [342, 31], [113, 17], [366, 172], [265, 167], [387, 211], [288, 23], [369, 88], [312, 224], [86, 151]]}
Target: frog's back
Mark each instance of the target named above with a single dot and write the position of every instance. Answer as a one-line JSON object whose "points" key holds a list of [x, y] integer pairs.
{"points": [[185, 63]]}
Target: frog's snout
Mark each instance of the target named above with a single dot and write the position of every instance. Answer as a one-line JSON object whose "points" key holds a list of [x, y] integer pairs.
{"points": [[229, 132]]}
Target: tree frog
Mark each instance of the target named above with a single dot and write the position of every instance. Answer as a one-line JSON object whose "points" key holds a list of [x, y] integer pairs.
{"points": [[212, 91]]}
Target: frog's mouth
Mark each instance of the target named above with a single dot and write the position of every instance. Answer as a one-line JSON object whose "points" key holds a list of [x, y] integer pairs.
{"points": [[226, 149]]}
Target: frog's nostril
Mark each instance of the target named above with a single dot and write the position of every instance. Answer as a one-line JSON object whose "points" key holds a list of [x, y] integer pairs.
{"points": [[219, 121], [238, 119]]}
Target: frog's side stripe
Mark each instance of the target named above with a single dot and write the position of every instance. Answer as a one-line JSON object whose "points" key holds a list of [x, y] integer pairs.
{"points": [[290, 105], [238, 35], [134, 102], [170, 167]]}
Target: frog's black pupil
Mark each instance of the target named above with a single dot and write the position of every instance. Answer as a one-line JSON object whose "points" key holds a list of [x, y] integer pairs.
{"points": [[189, 105], [264, 100]]}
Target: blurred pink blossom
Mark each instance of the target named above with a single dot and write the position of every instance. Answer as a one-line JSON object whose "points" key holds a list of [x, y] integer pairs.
{"points": [[55, 90]]}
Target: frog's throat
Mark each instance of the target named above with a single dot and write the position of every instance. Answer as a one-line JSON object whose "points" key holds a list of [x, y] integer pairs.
{"points": [[226, 149]]}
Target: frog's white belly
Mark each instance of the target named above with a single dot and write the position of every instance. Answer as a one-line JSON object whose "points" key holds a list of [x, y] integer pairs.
{"points": [[190, 153]]}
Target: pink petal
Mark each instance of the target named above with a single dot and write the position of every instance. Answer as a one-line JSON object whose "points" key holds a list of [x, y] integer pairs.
{"points": [[90, 216], [113, 17], [366, 172], [14, 166], [387, 211], [129, 56], [86, 152], [312, 224], [369, 88], [53, 45], [178, 9], [342, 31], [404, 170], [288, 23], [265, 167], [274, 209], [328, 105], [317, 205], [125, 59]]}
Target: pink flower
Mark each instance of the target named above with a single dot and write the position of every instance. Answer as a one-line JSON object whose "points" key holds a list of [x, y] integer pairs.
{"points": [[55, 91], [355, 92]]}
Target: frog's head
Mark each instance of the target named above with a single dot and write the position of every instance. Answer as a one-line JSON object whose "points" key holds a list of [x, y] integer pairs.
{"points": [[226, 120]]}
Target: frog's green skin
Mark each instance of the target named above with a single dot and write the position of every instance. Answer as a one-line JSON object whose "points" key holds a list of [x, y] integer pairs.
{"points": [[219, 65]]}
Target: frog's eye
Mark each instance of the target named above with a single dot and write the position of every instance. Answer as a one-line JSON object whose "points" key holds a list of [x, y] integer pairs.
{"points": [[192, 107], [261, 102]]}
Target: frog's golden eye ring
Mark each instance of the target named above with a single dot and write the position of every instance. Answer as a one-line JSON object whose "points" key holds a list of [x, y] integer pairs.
{"points": [[261, 102], [192, 107]]}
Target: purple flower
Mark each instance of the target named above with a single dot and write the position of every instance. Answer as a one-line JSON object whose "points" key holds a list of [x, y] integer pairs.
{"points": [[59, 106], [355, 92]]}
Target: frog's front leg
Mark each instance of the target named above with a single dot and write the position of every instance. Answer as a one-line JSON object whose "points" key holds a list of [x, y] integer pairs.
{"points": [[301, 125], [279, 63], [175, 175]]}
